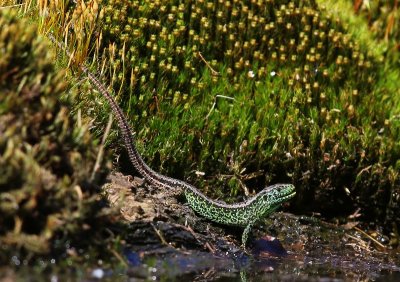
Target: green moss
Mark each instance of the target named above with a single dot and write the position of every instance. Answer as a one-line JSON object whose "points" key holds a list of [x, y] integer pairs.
{"points": [[48, 201], [313, 97]]}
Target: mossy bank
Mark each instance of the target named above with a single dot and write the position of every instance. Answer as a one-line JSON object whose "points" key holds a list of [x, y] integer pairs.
{"points": [[49, 193], [226, 93]]}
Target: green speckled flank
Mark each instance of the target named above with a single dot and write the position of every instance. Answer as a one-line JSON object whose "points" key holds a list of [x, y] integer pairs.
{"points": [[240, 214], [246, 213]]}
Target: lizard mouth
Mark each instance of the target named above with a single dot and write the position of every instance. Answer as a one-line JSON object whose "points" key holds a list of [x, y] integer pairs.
{"points": [[287, 193], [285, 197]]}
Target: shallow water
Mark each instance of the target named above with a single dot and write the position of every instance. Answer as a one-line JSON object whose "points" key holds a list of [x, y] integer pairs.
{"points": [[207, 267], [169, 264], [308, 250]]}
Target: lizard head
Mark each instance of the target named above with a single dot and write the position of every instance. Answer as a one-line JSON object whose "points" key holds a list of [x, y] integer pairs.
{"points": [[273, 196]]}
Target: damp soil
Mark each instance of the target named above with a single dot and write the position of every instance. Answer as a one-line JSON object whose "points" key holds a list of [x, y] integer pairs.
{"points": [[165, 240]]}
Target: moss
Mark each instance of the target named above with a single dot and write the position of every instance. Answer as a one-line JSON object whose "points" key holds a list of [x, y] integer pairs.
{"points": [[48, 200], [312, 97], [382, 19]]}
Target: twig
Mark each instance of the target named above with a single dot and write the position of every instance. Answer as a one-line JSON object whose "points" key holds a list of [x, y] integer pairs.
{"points": [[215, 103], [159, 234], [119, 257], [213, 72], [100, 154], [244, 187], [252, 175], [210, 247], [361, 244], [11, 6], [207, 244], [370, 237], [190, 230], [363, 170], [79, 118]]}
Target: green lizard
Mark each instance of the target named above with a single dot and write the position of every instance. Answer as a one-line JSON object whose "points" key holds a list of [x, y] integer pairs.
{"points": [[244, 214]]}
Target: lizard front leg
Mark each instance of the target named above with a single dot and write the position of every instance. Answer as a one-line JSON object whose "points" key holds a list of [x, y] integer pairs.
{"points": [[246, 232]]}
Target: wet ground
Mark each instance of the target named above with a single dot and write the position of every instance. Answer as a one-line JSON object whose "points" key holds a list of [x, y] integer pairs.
{"points": [[166, 241]]}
